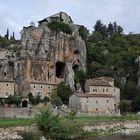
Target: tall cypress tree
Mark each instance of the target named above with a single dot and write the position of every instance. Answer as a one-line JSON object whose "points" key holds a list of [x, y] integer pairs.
{"points": [[13, 36], [7, 34]]}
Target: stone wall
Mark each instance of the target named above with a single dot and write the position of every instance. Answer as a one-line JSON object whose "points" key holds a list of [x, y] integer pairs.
{"points": [[15, 112]]}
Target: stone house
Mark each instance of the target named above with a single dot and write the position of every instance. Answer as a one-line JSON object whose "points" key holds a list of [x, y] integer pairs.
{"points": [[101, 97], [58, 17], [7, 88]]}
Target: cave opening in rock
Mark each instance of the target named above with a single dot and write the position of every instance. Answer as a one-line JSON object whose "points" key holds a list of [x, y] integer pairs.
{"points": [[75, 67], [76, 52], [24, 103], [60, 68]]}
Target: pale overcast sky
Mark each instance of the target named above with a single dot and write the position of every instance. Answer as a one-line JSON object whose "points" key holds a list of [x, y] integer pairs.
{"points": [[15, 14]]}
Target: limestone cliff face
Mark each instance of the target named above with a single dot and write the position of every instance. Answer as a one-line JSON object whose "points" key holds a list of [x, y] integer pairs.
{"points": [[50, 56]]}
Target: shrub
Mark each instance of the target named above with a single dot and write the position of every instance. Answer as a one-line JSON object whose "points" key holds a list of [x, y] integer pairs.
{"points": [[83, 32], [30, 136], [13, 99], [34, 100], [55, 127], [56, 101], [60, 26], [46, 100]]}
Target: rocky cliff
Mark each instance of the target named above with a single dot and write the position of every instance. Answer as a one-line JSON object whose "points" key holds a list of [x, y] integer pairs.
{"points": [[45, 57], [52, 56]]}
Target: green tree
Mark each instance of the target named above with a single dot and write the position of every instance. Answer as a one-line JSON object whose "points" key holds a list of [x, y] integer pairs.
{"points": [[13, 100], [46, 99], [136, 104], [80, 77], [101, 28], [64, 92], [83, 32], [7, 34], [56, 101]]}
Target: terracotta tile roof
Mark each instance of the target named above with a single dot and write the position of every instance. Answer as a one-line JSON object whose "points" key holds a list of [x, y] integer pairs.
{"points": [[100, 81], [109, 79], [93, 95], [96, 82]]}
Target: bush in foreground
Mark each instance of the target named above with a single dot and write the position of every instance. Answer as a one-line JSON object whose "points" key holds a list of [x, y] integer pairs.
{"points": [[56, 128]]}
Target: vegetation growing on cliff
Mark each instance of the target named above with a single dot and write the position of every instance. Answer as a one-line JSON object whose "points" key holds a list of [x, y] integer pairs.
{"points": [[83, 32], [60, 26]]}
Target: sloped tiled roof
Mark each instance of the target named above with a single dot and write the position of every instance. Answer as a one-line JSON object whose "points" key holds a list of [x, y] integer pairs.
{"points": [[109, 79], [96, 82], [94, 95], [100, 81]]}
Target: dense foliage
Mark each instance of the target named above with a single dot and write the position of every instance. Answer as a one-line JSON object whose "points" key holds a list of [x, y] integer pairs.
{"points": [[112, 53], [35, 100], [56, 101], [13, 100], [60, 26], [56, 128], [64, 92], [80, 78], [83, 32], [6, 40]]}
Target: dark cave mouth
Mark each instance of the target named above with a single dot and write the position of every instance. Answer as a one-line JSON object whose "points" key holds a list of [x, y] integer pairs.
{"points": [[60, 68], [75, 67]]}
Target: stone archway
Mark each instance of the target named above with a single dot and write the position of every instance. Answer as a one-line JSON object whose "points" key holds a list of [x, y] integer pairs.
{"points": [[24, 103]]}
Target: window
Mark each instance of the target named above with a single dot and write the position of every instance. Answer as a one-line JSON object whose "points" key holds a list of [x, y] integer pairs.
{"points": [[41, 86], [4, 73], [7, 85], [115, 105], [107, 90], [94, 90], [34, 86], [107, 101], [114, 89], [87, 97], [96, 109], [96, 102], [87, 101], [7, 93], [103, 89]]}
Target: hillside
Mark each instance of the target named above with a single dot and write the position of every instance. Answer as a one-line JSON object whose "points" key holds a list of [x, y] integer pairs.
{"points": [[112, 53]]}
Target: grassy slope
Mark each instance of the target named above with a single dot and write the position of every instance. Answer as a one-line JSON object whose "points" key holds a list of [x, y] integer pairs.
{"points": [[82, 119], [96, 119], [15, 122]]}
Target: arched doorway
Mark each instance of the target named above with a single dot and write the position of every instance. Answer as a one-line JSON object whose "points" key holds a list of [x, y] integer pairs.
{"points": [[24, 103]]}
